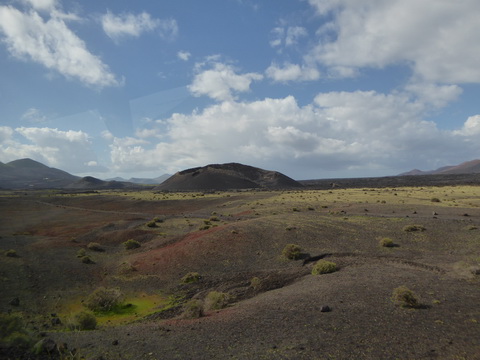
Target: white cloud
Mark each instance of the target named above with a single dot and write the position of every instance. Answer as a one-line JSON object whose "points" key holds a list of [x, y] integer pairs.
{"points": [[340, 131], [471, 127], [123, 25], [184, 55], [437, 38], [34, 115], [68, 150], [42, 5], [221, 81], [292, 72], [52, 44], [287, 36]]}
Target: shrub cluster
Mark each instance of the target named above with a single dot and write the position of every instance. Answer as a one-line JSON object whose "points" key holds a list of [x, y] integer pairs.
{"points": [[216, 300], [386, 242], [104, 300], [95, 247], [291, 251], [404, 297], [411, 228], [191, 277], [324, 267], [131, 244]]}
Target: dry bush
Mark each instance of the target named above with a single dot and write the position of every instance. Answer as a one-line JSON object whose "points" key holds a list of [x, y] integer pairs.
{"points": [[404, 297], [84, 321], [131, 244], [192, 309], [386, 242], [191, 277], [95, 247], [216, 300], [103, 300], [291, 251], [255, 283], [412, 228], [323, 267], [87, 260]]}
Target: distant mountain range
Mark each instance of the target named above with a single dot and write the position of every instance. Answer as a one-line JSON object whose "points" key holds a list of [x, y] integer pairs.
{"points": [[468, 167], [145, 181]]}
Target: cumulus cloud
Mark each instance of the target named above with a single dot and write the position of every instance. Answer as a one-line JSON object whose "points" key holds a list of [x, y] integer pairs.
{"points": [[127, 24], [184, 55], [52, 44], [340, 131], [221, 81], [292, 72], [437, 38], [42, 5], [68, 150]]}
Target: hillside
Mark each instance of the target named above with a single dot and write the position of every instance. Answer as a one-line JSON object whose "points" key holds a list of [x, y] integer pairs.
{"points": [[28, 173], [226, 177], [467, 167]]}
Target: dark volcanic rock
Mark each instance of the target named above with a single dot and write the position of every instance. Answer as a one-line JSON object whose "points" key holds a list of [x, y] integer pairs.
{"points": [[227, 177]]}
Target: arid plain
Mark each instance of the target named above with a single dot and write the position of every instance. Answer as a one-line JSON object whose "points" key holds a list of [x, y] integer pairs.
{"points": [[58, 248]]}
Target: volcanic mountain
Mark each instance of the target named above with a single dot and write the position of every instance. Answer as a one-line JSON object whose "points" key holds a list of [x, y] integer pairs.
{"points": [[227, 177], [28, 173], [468, 167]]}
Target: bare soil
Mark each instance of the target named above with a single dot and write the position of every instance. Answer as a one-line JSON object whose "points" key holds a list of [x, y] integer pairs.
{"points": [[243, 234]]}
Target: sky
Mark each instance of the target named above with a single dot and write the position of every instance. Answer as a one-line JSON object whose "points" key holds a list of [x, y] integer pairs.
{"points": [[311, 88]]}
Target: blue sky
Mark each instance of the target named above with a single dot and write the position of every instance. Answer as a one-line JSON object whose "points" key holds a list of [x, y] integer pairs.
{"points": [[311, 88]]}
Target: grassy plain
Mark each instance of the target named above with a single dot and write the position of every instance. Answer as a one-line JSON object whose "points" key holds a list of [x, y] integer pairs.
{"points": [[233, 240]]}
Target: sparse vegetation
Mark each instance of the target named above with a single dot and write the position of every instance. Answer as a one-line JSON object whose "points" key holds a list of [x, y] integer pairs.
{"points": [[292, 251], [404, 297], [412, 228], [95, 247], [13, 331], [386, 242], [192, 309], [84, 321], [11, 253], [152, 224], [81, 253], [104, 300], [87, 260], [191, 277], [255, 283], [324, 267], [216, 300], [131, 244]]}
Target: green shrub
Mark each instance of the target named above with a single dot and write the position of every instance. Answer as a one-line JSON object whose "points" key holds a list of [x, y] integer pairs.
{"points": [[324, 267], [412, 228], [191, 277], [81, 253], [104, 300], [84, 321], [192, 309], [131, 244], [13, 332], [87, 260], [95, 247], [291, 251], [216, 300], [152, 223], [255, 283], [404, 297], [386, 242], [11, 253]]}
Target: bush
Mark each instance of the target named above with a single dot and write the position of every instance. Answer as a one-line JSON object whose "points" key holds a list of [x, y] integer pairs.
{"points": [[95, 247], [411, 228], [404, 297], [152, 224], [85, 321], [386, 242], [434, 199], [13, 332], [81, 253], [104, 300], [255, 283], [87, 260], [291, 251], [324, 267], [192, 309], [191, 277], [216, 300], [131, 244], [11, 253]]}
